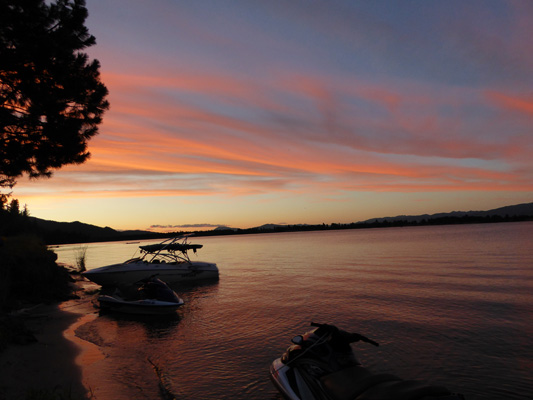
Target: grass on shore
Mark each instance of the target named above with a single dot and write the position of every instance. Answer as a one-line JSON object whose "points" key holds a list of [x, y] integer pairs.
{"points": [[81, 258]]}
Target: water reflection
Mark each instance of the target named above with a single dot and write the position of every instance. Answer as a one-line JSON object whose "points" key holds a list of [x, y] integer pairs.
{"points": [[154, 326], [443, 308]]}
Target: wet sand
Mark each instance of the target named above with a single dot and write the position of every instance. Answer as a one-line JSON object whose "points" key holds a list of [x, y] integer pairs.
{"points": [[57, 362]]}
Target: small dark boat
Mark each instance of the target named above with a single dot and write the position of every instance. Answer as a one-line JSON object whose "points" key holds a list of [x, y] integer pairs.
{"points": [[155, 298]]}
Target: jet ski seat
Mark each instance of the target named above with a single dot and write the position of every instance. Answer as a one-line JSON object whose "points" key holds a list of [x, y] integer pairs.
{"points": [[358, 383]]}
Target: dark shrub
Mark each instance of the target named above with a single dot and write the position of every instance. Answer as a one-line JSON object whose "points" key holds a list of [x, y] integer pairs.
{"points": [[29, 274]]}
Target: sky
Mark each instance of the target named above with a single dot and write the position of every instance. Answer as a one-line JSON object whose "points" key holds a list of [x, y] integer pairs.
{"points": [[243, 113]]}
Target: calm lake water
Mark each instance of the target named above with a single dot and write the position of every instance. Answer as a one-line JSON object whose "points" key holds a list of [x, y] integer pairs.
{"points": [[450, 304]]}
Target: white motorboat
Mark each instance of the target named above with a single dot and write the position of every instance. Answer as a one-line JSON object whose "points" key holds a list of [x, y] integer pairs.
{"points": [[155, 298], [168, 260]]}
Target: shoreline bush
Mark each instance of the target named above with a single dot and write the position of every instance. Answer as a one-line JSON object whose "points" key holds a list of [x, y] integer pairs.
{"points": [[29, 274]]}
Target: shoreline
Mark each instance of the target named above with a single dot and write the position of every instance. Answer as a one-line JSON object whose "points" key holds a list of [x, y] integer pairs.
{"points": [[55, 365], [377, 223]]}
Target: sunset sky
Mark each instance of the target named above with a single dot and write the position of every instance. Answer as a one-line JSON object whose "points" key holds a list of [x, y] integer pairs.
{"points": [[242, 113]]}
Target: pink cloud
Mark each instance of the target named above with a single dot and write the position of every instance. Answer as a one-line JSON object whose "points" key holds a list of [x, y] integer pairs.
{"points": [[292, 145], [522, 104]]}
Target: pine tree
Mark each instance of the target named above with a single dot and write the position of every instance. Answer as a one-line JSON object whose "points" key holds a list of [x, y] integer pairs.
{"points": [[51, 96]]}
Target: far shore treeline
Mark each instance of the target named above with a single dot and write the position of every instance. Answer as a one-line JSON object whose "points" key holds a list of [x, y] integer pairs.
{"points": [[15, 221]]}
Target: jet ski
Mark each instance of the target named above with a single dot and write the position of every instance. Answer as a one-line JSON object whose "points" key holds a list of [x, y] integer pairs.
{"points": [[154, 298], [321, 365]]}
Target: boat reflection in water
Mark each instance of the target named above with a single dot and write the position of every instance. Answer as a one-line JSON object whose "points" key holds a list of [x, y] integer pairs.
{"points": [[168, 260]]}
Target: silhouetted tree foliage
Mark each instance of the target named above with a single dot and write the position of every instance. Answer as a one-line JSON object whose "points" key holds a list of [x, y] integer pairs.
{"points": [[51, 97], [13, 220], [29, 274]]}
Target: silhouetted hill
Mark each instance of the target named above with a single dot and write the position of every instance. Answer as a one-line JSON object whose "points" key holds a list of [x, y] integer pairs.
{"points": [[77, 232], [520, 212], [525, 209]]}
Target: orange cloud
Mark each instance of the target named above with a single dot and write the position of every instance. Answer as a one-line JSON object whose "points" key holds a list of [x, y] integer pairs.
{"points": [[223, 135], [513, 103]]}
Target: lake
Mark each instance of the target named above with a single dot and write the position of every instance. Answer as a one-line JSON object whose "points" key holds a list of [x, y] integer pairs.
{"points": [[449, 304]]}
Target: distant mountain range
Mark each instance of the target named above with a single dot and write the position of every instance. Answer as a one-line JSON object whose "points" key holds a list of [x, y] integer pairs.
{"points": [[525, 209], [78, 232]]}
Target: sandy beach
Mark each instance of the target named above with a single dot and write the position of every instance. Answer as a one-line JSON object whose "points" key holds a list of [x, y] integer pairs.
{"points": [[55, 364]]}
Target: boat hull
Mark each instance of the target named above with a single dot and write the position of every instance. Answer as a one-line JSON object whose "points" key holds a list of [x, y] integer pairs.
{"points": [[131, 273], [278, 375]]}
